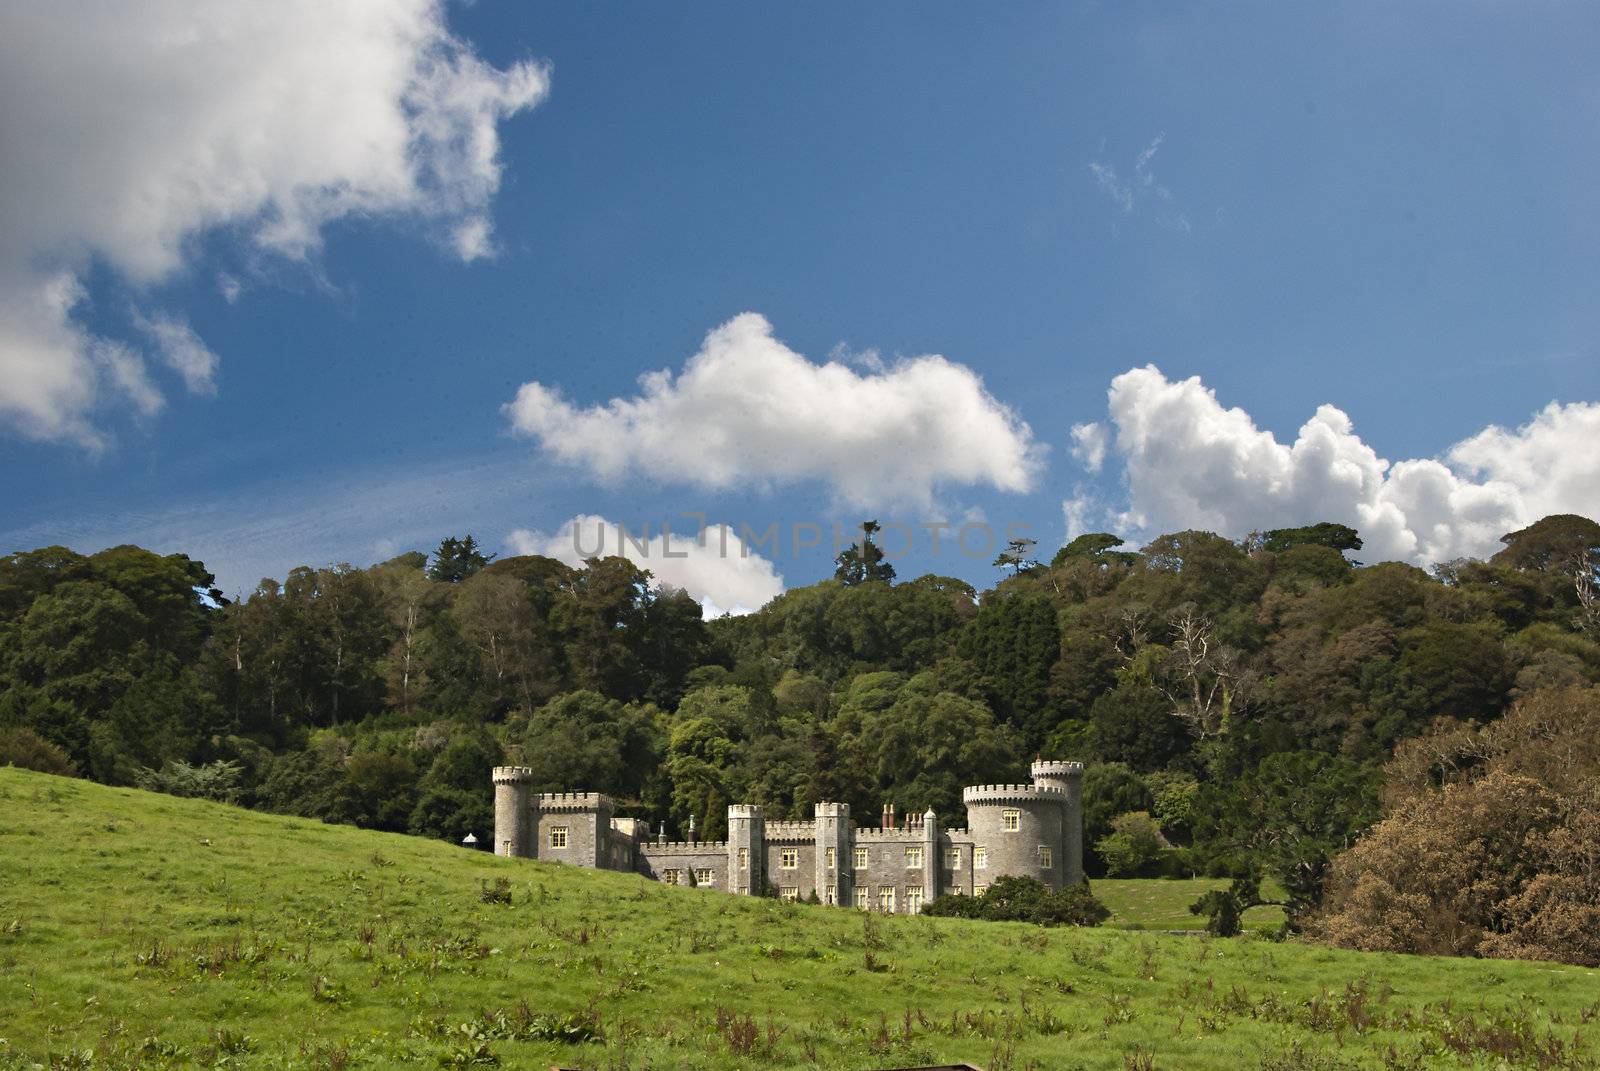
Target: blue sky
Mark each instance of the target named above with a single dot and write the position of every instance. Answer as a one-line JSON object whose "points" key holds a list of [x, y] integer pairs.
{"points": [[1387, 210]]}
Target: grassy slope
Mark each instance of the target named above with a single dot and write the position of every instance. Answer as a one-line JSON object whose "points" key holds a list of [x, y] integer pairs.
{"points": [[1163, 904], [139, 926]]}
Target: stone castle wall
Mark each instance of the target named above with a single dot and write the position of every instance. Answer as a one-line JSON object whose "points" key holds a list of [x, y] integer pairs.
{"points": [[1033, 830]]}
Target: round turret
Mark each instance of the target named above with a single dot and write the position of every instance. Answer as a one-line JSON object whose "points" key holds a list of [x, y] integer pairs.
{"points": [[1020, 829], [513, 816], [1065, 776]]}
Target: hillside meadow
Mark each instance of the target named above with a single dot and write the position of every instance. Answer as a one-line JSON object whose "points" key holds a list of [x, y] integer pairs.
{"points": [[142, 930]]}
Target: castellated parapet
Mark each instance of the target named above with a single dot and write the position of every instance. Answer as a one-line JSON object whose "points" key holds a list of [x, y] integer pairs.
{"points": [[903, 862]]}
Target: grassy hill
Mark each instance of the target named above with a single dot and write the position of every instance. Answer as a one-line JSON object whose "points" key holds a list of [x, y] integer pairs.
{"points": [[144, 930]]}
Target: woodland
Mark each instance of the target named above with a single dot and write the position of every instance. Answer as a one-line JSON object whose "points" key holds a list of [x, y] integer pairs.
{"points": [[1408, 759]]}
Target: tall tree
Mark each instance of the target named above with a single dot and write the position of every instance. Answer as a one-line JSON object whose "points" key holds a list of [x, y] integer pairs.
{"points": [[457, 559], [862, 562]]}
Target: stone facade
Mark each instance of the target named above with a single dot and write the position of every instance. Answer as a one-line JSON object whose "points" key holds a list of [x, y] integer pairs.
{"points": [[1033, 830]]}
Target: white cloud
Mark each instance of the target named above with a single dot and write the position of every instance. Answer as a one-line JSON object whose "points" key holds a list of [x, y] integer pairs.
{"points": [[749, 411], [714, 566], [132, 128], [1188, 462], [182, 351], [1089, 443]]}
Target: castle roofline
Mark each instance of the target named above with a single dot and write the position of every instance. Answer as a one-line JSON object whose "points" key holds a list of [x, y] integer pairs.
{"points": [[512, 775], [573, 801], [1009, 793]]}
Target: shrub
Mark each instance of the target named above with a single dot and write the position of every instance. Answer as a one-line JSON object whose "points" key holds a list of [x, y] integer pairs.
{"points": [[1501, 867], [1133, 846], [27, 750], [1013, 899]]}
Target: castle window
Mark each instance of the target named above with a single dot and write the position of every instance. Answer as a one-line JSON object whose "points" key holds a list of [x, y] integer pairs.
{"points": [[827, 895], [913, 858], [980, 858], [505, 847], [832, 858], [1046, 857], [789, 858], [744, 858], [672, 877], [886, 899], [558, 836], [863, 897], [862, 859], [704, 876], [952, 858], [914, 900], [789, 893], [979, 890], [1010, 821]]}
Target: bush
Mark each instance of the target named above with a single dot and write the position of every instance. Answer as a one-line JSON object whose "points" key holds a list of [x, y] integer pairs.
{"points": [[210, 781], [1133, 846], [27, 750], [1013, 899]]}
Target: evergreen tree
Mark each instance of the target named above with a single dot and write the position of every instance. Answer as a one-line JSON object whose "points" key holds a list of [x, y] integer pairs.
{"points": [[863, 561], [457, 559]]}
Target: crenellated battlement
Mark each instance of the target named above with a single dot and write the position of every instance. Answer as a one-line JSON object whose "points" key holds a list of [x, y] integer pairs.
{"points": [[512, 775], [573, 801], [908, 836], [1054, 768], [683, 847], [981, 794]]}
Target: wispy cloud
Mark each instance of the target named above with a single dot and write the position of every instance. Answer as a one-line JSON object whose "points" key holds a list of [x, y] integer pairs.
{"points": [[1141, 189], [360, 516]]}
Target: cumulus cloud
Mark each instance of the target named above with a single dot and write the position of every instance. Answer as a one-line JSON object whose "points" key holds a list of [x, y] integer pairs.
{"points": [[133, 128], [714, 566], [1089, 443], [746, 410], [1190, 462]]}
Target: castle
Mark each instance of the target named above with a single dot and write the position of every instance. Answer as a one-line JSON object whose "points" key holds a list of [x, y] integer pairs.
{"points": [[1033, 830]]}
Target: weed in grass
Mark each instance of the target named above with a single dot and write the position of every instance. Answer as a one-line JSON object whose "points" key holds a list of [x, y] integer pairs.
{"points": [[497, 893]]}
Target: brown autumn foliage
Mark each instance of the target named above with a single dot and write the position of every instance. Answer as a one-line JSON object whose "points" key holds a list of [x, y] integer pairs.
{"points": [[1491, 846]]}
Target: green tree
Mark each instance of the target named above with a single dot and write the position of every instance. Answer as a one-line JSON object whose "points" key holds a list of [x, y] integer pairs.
{"points": [[1133, 846], [1014, 641], [1018, 556], [1326, 534], [457, 559], [1289, 817], [862, 562], [1096, 547]]}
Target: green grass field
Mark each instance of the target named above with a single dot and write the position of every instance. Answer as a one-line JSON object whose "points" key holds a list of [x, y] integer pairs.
{"points": [[139, 930], [1163, 904]]}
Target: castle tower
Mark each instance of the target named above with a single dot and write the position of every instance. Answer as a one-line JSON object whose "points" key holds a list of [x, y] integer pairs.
{"points": [[931, 858], [747, 849], [1019, 828], [833, 850], [575, 828], [1068, 777], [513, 815]]}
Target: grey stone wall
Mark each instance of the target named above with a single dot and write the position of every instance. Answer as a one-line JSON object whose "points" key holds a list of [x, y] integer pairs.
{"points": [[1038, 819], [580, 828], [690, 860], [746, 864]]}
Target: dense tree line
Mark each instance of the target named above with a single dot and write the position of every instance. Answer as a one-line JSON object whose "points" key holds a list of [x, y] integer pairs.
{"points": [[1243, 705]]}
